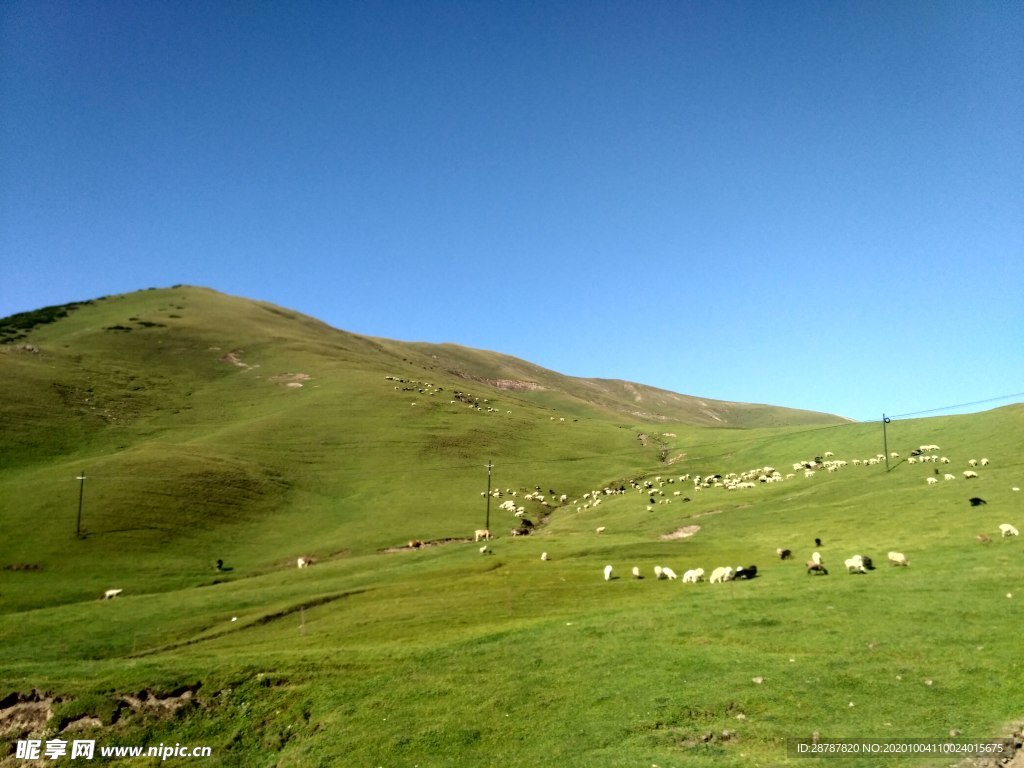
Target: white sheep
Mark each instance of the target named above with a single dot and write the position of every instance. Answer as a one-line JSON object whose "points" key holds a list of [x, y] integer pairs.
{"points": [[481, 533], [544, 556], [968, 474], [658, 571], [931, 480], [636, 572], [485, 550], [721, 574], [1008, 530], [984, 462], [693, 575], [305, 562], [110, 594], [948, 476], [599, 529], [973, 462], [855, 565], [607, 573], [816, 558], [898, 558], [668, 573]]}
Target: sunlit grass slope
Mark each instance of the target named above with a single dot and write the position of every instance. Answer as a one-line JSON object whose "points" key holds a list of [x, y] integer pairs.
{"points": [[197, 446]]}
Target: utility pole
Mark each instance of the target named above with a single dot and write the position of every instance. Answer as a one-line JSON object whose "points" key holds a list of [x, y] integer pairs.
{"points": [[885, 441], [487, 521], [81, 495]]}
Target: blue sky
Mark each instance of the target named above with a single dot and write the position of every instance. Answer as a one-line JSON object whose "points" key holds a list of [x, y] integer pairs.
{"points": [[810, 204]]}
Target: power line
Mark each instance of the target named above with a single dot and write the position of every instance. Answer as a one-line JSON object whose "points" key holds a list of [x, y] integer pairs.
{"points": [[959, 405]]}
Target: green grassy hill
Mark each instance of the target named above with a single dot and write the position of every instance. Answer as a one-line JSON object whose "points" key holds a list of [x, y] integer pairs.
{"points": [[210, 427]]}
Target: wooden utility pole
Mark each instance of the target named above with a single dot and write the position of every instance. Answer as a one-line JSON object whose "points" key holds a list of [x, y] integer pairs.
{"points": [[487, 520], [885, 441], [81, 496]]}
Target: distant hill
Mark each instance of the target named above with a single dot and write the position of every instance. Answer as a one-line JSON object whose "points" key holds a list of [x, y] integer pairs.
{"points": [[200, 416], [76, 369]]}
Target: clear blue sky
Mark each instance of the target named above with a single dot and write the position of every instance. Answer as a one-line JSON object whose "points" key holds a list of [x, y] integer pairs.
{"points": [[811, 204]]}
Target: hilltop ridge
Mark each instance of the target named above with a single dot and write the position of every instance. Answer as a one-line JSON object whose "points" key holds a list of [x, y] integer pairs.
{"points": [[214, 316]]}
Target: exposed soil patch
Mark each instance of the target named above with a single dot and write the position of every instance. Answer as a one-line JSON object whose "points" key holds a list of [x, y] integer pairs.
{"points": [[680, 533], [711, 512], [412, 546], [1014, 758], [515, 385], [232, 358], [22, 714], [147, 701], [291, 380]]}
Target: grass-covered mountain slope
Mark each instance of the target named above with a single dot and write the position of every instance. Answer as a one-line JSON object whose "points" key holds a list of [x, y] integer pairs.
{"points": [[182, 407], [200, 416]]}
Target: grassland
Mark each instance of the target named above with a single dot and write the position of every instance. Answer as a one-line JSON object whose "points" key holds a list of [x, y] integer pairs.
{"points": [[197, 446]]}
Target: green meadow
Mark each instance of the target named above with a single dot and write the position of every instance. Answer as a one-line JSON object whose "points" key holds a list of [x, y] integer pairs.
{"points": [[212, 428]]}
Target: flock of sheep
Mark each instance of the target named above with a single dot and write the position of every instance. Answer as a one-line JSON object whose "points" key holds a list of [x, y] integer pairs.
{"points": [[657, 489], [426, 388], [815, 566]]}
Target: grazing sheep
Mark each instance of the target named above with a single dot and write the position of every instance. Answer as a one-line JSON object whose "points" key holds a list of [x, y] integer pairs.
{"points": [[855, 565], [968, 474], [983, 538], [693, 575], [721, 574], [745, 572], [481, 533], [784, 554], [668, 573], [544, 556], [305, 562], [1008, 530], [931, 480], [898, 558], [607, 573], [110, 594], [658, 571], [816, 569], [599, 529], [636, 572], [984, 462], [973, 462], [816, 557], [948, 476], [485, 550]]}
